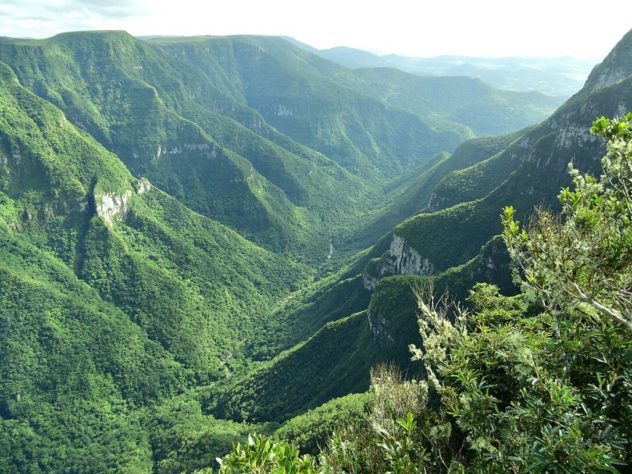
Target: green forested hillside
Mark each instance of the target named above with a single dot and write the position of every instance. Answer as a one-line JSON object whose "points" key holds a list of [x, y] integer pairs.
{"points": [[112, 292], [335, 361], [133, 111], [511, 384], [293, 92], [423, 193], [527, 173], [473, 103], [200, 234], [455, 246], [211, 121]]}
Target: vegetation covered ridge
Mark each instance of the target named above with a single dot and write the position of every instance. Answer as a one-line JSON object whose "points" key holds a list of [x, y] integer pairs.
{"points": [[512, 385]]}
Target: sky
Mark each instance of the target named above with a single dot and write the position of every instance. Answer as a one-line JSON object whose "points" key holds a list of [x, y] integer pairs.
{"points": [[409, 27]]}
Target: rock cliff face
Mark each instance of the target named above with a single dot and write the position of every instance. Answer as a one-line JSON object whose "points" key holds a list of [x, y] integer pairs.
{"points": [[616, 67], [406, 260], [142, 186], [110, 205], [379, 327], [400, 259]]}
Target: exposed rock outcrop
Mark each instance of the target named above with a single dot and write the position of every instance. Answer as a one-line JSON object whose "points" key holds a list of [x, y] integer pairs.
{"points": [[379, 327], [405, 260], [400, 259], [142, 186], [111, 205]]}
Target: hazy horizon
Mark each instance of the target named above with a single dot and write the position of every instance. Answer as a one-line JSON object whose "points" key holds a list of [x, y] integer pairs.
{"points": [[486, 29]]}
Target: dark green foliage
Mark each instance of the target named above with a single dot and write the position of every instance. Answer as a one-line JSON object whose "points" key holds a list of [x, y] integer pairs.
{"points": [[515, 386], [422, 193], [586, 258], [262, 454], [129, 313], [296, 93], [82, 436], [333, 362], [119, 310], [491, 265], [183, 439], [309, 309], [527, 173], [311, 430], [67, 362], [479, 179]]}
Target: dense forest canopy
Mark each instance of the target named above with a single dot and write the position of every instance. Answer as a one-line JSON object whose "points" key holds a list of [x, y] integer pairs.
{"points": [[234, 248], [537, 382]]}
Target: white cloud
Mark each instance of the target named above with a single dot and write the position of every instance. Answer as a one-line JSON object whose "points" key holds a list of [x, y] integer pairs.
{"points": [[41, 18]]}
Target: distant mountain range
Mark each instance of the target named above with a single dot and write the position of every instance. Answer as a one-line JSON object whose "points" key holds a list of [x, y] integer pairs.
{"points": [[556, 76]]}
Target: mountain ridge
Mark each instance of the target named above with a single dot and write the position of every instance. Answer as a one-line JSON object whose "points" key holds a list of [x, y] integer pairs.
{"points": [[432, 247], [163, 233], [561, 76]]}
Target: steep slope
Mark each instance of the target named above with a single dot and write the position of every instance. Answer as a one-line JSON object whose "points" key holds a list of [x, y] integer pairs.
{"points": [[211, 121], [463, 100], [139, 103], [293, 92], [478, 179], [335, 361], [113, 295], [535, 169], [117, 299], [437, 184], [454, 247], [127, 238], [457, 102]]}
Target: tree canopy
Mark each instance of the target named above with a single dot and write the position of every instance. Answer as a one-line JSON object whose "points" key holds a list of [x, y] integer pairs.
{"points": [[537, 382]]}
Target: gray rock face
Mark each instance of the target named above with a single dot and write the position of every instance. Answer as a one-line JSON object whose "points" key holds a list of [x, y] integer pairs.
{"points": [[616, 67], [405, 260], [142, 186], [369, 282], [283, 110], [379, 328], [400, 259], [573, 135], [178, 149], [111, 205]]}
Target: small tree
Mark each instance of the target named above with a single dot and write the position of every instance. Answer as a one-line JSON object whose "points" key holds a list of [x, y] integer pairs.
{"points": [[538, 382], [542, 382], [263, 455], [582, 260]]}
